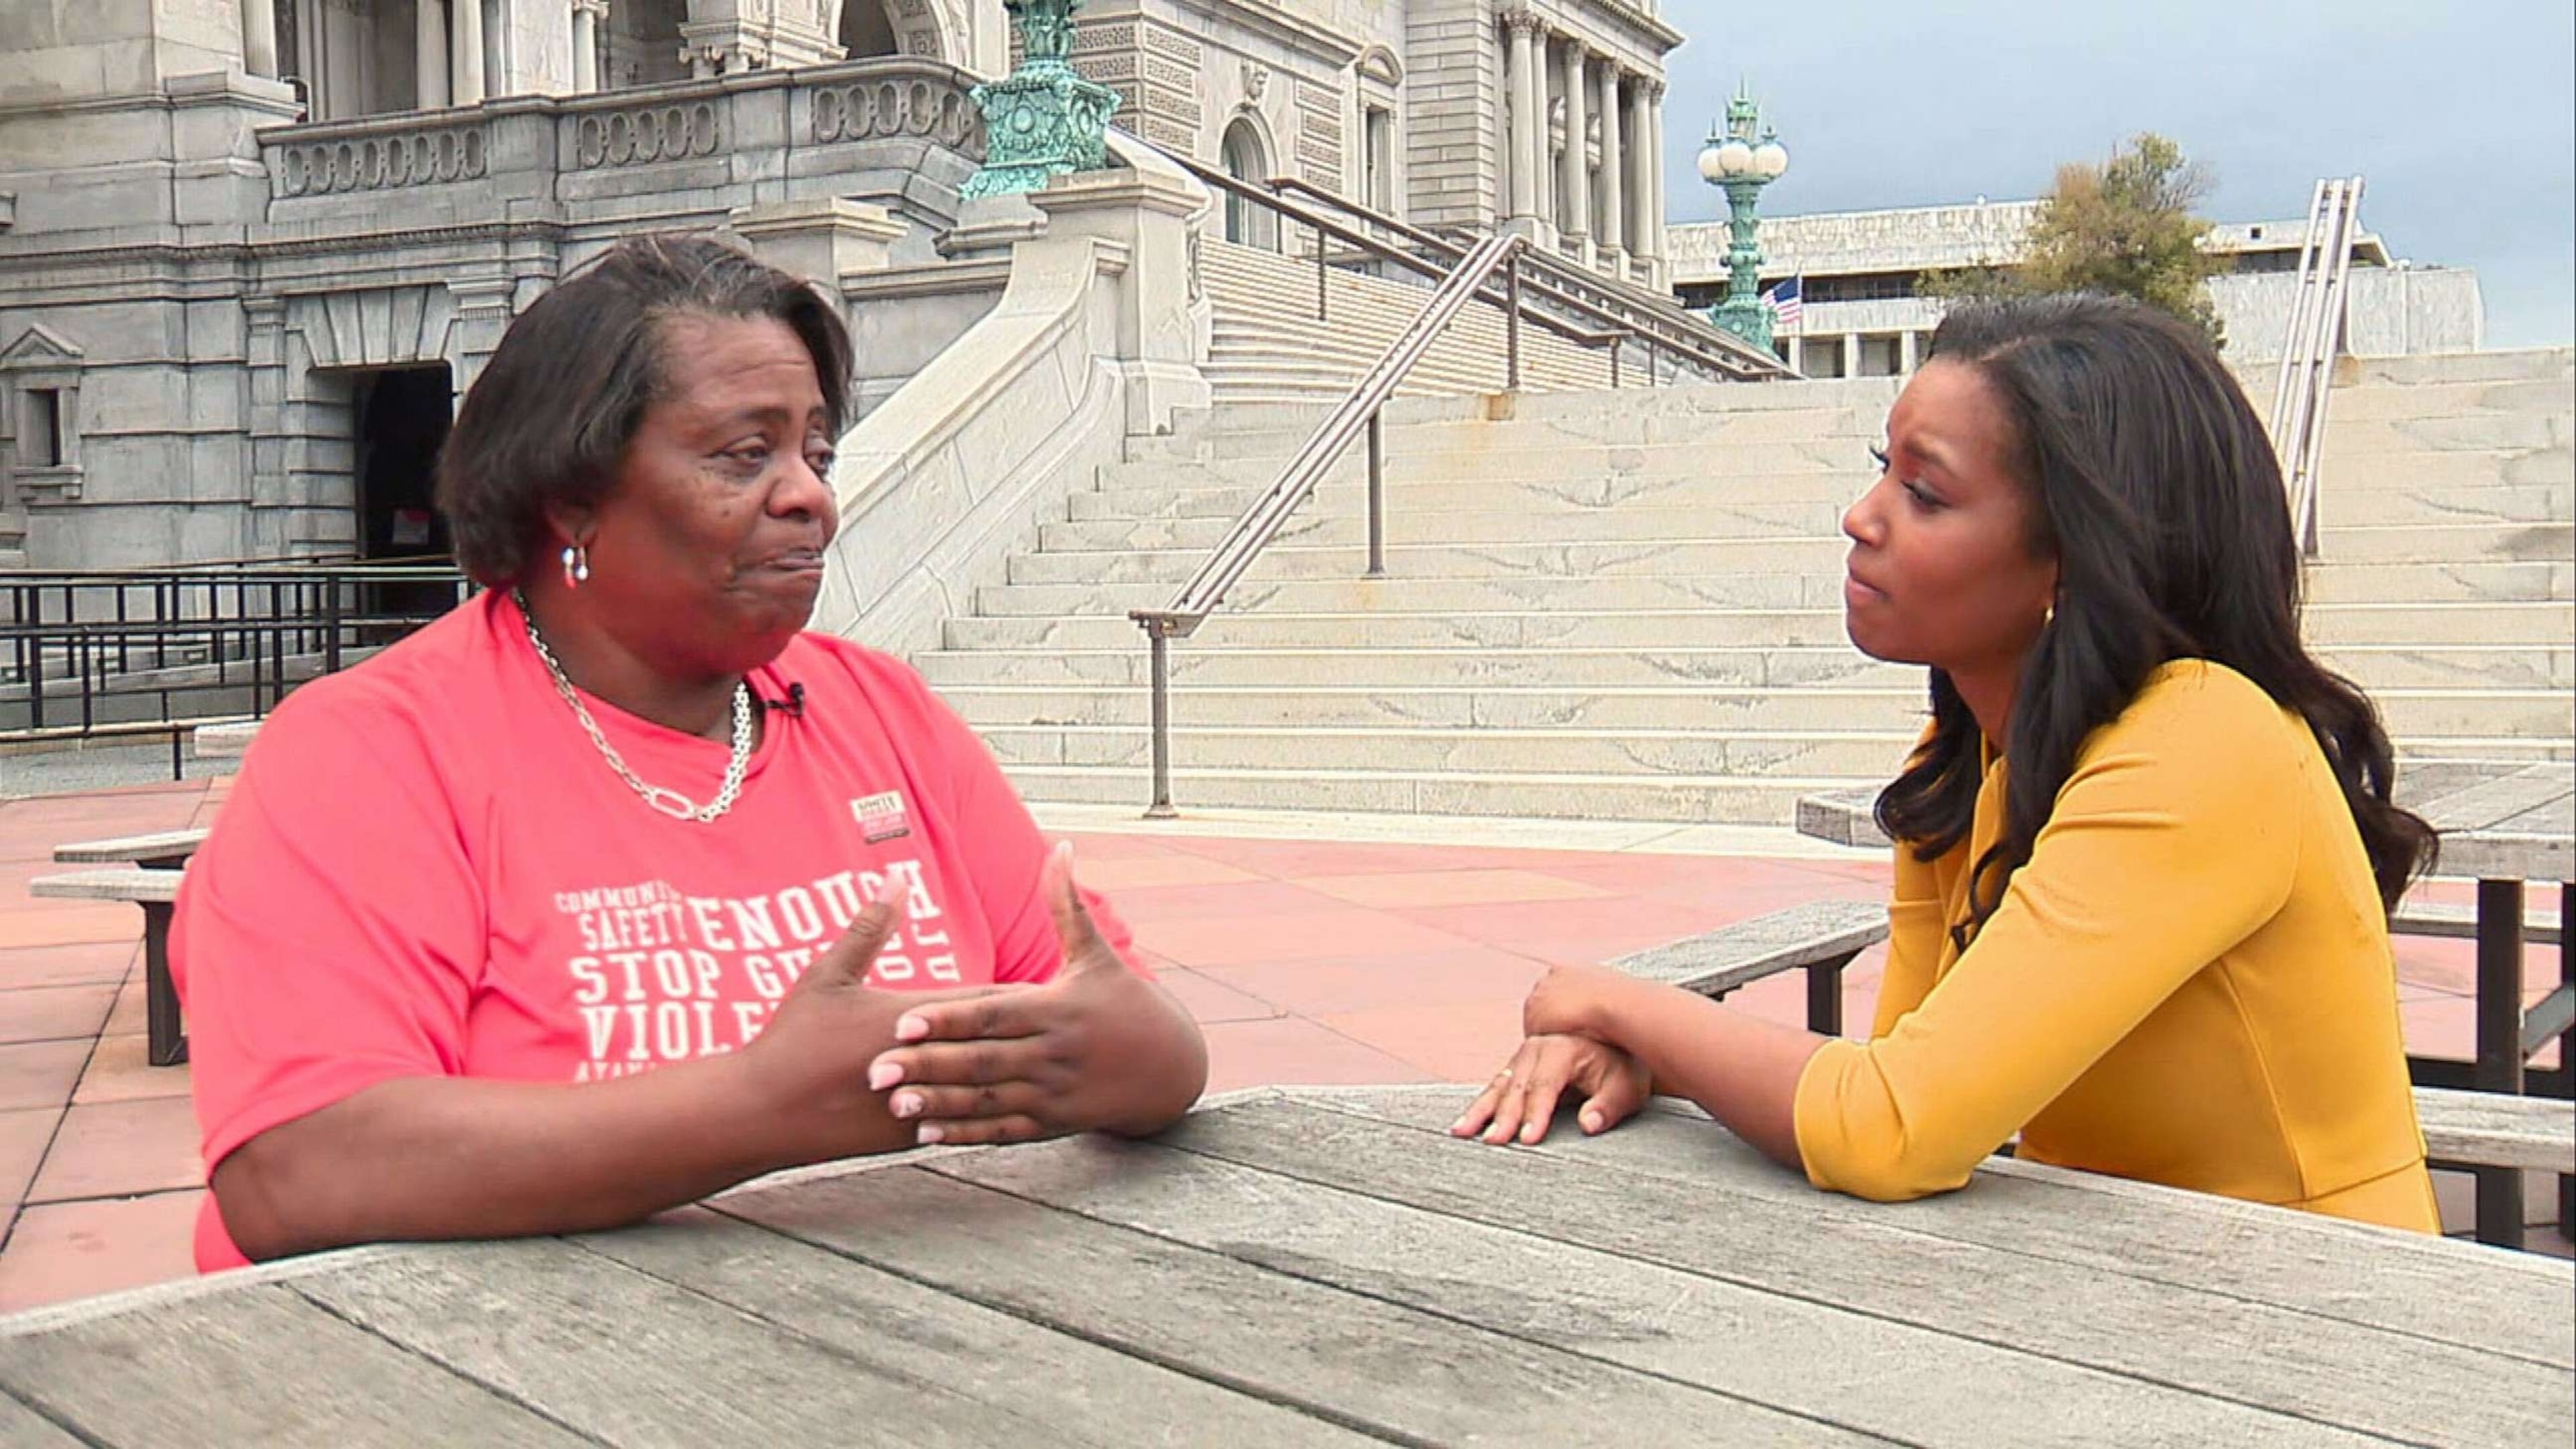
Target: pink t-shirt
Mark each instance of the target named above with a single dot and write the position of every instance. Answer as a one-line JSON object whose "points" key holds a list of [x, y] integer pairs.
{"points": [[428, 869]]}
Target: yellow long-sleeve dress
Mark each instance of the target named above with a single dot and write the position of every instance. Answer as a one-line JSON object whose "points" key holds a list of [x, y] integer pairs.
{"points": [[2188, 983]]}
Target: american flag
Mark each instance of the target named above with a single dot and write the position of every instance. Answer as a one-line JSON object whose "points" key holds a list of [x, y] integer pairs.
{"points": [[1785, 306]]}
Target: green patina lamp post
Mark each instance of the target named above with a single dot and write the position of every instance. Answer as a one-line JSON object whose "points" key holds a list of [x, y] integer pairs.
{"points": [[1740, 164], [1044, 120]]}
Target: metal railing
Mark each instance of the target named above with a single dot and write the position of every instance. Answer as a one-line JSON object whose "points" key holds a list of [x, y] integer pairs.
{"points": [[1658, 322], [1362, 408], [2308, 352], [119, 652], [1362, 246]]}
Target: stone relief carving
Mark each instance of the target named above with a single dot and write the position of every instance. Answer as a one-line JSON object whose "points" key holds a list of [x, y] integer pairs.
{"points": [[866, 110], [647, 134], [426, 157]]}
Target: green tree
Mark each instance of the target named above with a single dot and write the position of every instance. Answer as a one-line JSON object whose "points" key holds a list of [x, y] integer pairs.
{"points": [[2125, 227]]}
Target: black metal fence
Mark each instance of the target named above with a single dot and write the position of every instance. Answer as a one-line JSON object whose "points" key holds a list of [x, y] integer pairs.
{"points": [[142, 652]]}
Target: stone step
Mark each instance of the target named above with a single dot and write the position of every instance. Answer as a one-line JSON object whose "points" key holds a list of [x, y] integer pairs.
{"points": [[1612, 425], [2462, 550], [2540, 396], [2346, 437], [2434, 627], [1198, 661], [1742, 754], [2502, 365], [2415, 715], [1170, 490], [1361, 310], [1682, 799], [1698, 799], [2413, 584], [1336, 515], [1840, 462], [1267, 339]]}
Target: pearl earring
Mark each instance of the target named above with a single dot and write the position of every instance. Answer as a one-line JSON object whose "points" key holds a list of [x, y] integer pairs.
{"points": [[576, 565]]}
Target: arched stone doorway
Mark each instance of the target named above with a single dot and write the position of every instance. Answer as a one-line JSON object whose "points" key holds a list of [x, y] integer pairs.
{"points": [[1245, 154], [893, 27]]}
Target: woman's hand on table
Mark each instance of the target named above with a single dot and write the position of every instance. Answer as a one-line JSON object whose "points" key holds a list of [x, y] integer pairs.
{"points": [[810, 1065], [1097, 1048], [1520, 1102], [1577, 1001]]}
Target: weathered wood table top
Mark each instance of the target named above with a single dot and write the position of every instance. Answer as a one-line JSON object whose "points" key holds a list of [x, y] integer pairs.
{"points": [[1326, 1268]]}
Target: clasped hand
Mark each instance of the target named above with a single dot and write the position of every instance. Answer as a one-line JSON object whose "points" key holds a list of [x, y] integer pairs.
{"points": [[1098, 1047]]}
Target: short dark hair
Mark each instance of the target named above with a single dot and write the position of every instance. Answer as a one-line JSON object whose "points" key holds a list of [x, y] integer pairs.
{"points": [[549, 421], [2155, 487]]}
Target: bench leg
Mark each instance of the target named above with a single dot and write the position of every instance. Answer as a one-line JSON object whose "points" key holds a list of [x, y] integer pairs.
{"points": [[1825, 995], [168, 1045], [2566, 1068], [2499, 1056]]}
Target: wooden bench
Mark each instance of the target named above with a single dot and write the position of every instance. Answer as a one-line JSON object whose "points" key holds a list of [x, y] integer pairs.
{"points": [[2460, 923], [2492, 1129], [1820, 937], [161, 850], [225, 741], [157, 892]]}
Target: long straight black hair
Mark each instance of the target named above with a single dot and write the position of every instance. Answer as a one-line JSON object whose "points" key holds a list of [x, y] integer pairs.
{"points": [[2156, 489]]}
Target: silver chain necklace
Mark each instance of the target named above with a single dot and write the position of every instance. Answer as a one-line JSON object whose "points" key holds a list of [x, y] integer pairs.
{"points": [[670, 802]]}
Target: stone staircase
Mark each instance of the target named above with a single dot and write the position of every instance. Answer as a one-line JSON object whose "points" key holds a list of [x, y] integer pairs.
{"points": [[1628, 606], [1269, 347]]}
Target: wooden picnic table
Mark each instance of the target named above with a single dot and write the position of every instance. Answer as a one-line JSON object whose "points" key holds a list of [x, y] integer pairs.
{"points": [[1308, 1267]]}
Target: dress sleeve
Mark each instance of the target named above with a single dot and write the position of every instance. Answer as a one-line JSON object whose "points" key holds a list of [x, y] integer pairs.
{"points": [[331, 930], [1004, 851], [2176, 838], [1914, 940]]}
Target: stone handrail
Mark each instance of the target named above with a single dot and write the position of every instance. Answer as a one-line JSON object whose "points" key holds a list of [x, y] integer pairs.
{"points": [[352, 156], [536, 140], [1095, 336]]}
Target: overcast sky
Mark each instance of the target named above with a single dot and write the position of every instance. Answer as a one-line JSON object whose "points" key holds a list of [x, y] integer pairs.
{"points": [[2461, 115]]}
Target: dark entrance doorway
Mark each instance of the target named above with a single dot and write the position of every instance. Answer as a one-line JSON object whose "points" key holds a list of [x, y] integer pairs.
{"points": [[402, 419]]}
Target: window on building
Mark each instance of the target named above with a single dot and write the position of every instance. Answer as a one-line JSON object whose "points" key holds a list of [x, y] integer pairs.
{"points": [[1377, 158], [1860, 287], [41, 431]]}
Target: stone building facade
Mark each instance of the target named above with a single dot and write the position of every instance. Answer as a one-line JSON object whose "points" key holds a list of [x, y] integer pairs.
{"points": [[252, 250], [1861, 271]]}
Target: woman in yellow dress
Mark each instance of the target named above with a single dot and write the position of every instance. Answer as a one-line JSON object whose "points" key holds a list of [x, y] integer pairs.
{"points": [[2146, 848]]}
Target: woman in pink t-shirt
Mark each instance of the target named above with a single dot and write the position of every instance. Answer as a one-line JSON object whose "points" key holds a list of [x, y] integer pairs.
{"points": [[614, 887]]}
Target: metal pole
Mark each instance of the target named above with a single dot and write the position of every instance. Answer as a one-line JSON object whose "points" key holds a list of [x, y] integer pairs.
{"points": [[1377, 493], [331, 625], [1160, 646], [1319, 276], [1512, 324], [1614, 364]]}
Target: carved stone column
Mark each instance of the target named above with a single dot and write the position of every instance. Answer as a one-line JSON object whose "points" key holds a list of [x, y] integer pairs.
{"points": [[1614, 166], [1574, 179], [1651, 240], [429, 55], [259, 37], [465, 74], [1642, 221], [1525, 120], [586, 15]]}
